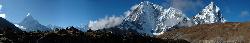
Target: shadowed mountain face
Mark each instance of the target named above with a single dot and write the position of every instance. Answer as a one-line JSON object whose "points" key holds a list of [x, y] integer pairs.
{"points": [[7, 26], [216, 32]]}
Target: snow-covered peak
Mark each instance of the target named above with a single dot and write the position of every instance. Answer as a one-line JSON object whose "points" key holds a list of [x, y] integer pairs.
{"points": [[169, 18], [152, 19], [28, 14], [29, 19], [213, 7], [145, 7], [210, 14], [143, 17], [173, 13], [31, 24]]}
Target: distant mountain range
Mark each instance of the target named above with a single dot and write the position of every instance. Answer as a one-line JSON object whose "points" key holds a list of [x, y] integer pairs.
{"points": [[145, 20], [146, 17], [153, 19], [31, 24]]}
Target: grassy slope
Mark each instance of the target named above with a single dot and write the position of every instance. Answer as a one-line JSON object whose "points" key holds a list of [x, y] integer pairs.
{"points": [[225, 32]]}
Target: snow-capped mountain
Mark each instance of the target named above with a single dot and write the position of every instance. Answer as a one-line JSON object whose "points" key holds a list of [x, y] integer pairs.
{"points": [[82, 27], [142, 17], [30, 24], [169, 18], [210, 14], [4, 24], [52, 27], [152, 19]]}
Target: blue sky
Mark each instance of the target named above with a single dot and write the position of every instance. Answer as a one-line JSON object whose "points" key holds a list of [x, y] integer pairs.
{"points": [[76, 12]]}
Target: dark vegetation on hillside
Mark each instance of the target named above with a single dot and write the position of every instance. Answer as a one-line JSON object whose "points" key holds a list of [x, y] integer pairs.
{"points": [[73, 35]]}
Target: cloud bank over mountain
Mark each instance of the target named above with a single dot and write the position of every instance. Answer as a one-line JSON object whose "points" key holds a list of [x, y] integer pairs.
{"points": [[106, 22]]}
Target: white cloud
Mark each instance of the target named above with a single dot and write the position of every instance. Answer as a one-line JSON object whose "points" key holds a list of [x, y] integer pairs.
{"points": [[2, 15], [107, 22], [19, 26]]}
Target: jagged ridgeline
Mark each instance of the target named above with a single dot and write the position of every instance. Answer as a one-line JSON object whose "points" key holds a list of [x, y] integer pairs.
{"points": [[31, 31], [6, 26], [153, 19], [141, 24], [31, 24]]}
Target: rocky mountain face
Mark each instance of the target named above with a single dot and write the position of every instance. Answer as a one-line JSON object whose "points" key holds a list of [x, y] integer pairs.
{"points": [[143, 17], [31, 24], [153, 19], [210, 14]]}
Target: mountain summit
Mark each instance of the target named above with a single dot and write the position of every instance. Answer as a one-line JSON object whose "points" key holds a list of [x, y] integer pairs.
{"points": [[210, 14], [142, 17], [152, 19], [31, 24]]}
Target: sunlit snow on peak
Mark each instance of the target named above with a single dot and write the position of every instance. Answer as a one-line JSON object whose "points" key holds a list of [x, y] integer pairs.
{"points": [[28, 14]]}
